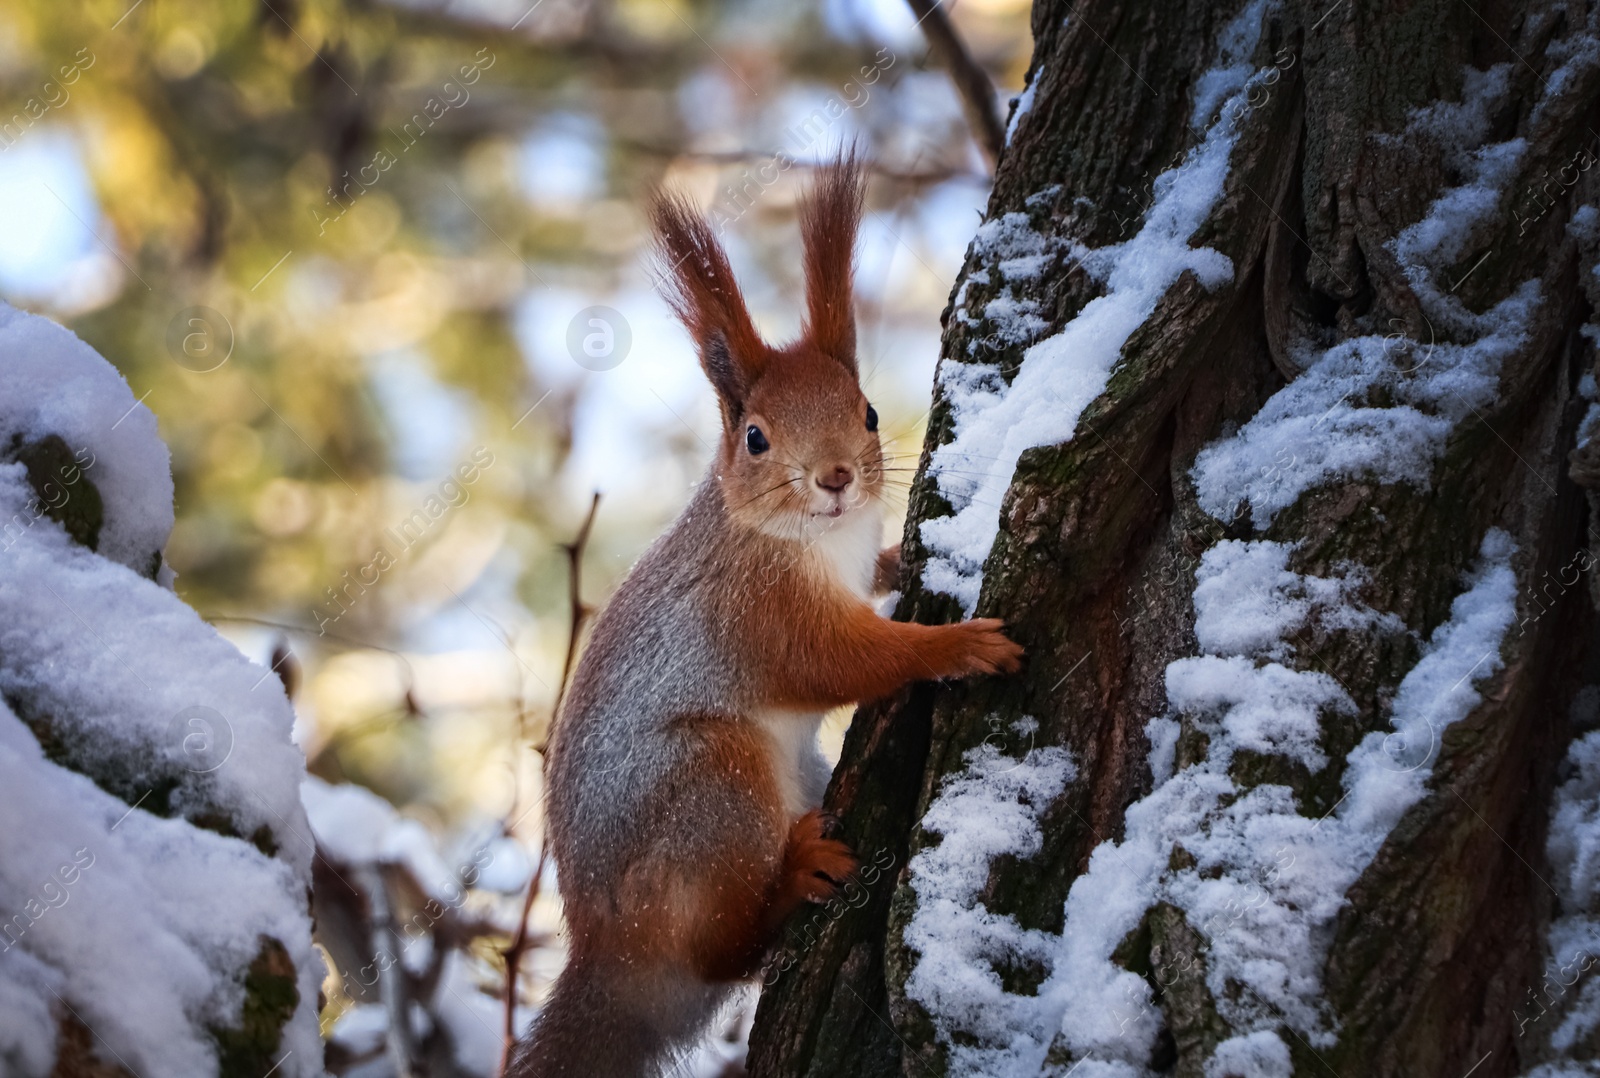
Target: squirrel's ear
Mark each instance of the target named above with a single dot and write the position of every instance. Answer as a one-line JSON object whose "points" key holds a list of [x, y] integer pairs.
{"points": [[698, 284], [828, 219]]}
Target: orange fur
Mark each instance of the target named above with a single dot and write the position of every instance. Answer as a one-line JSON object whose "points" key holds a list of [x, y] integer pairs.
{"points": [[699, 286], [814, 867], [828, 222], [839, 651]]}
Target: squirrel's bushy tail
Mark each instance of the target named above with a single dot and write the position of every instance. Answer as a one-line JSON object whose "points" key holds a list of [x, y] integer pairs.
{"points": [[609, 1020]]}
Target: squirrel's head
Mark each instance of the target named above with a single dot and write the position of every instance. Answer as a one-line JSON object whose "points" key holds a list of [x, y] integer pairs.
{"points": [[799, 445]]}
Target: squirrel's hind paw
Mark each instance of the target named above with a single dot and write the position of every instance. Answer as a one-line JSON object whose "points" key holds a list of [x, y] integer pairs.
{"points": [[813, 866]]}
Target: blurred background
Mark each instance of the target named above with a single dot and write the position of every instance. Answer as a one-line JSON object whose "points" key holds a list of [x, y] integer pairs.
{"points": [[381, 270]]}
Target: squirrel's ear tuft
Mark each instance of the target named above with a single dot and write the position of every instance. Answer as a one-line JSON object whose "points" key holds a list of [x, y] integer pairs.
{"points": [[698, 284], [828, 220]]}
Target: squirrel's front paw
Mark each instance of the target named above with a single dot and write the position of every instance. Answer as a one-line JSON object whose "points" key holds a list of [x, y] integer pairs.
{"points": [[988, 650]]}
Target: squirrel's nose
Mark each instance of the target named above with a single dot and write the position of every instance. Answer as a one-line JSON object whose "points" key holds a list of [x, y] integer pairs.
{"points": [[835, 480]]}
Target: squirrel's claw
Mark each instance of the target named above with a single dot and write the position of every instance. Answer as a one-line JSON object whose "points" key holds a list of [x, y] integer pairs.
{"points": [[989, 650]]}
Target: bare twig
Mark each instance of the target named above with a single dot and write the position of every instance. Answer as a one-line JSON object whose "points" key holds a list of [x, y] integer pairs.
{"points": [[289, 627], [971, 80], [915, 177], [519, 944], [580, 611]]}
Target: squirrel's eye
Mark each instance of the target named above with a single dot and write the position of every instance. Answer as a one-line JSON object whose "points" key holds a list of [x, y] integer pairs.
{"points": [[755, 441], [872, 418]]}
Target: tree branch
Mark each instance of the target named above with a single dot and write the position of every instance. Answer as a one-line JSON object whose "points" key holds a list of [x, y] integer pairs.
{"points": [[580, 611], [971, 81], [740, 157]]}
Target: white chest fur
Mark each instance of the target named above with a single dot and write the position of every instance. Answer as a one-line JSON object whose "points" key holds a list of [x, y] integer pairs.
{"points": [[797, 764], [846, 551]]}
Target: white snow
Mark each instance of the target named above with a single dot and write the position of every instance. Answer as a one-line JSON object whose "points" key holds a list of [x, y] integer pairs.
{"points": [[1260, 881], [995, 423], [1234, 46], [1576, 52], [1246, 599], [360, 1029], [991, 808], [1585, 225], [1266, 709], [1024, 103], [1548, 1011], [508, 867], [351, 822], [473, 1018], [1562, 1011], [56, 384], [97, 895], [138, 685], [1261, 1054], [1326, 423], [357, 827], [1266, 881], [1163, 735], [1387, 773], [27, 985]]}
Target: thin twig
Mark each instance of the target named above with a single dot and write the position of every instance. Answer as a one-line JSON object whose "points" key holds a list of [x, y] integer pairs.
{"points": [[580, 611], [916, 177], [971, 80], [290, 627], [519, 944], [408, 698]]}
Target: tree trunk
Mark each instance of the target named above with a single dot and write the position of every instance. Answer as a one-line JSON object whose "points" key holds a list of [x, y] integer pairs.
{"points": [[1383, 357]]}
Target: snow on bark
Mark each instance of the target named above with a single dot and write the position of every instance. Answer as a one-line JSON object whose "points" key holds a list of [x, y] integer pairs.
{"points": [[1258, 881], [1560, 1016], [1023, 106], [157, 855], [1562, 1012], [991, 808], [1372, 406], [995, 422]]}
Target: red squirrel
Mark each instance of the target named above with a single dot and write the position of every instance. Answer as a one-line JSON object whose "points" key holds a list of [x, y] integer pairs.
{"points": [[683, 776]]}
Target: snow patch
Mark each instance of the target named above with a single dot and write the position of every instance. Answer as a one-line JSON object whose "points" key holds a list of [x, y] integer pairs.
{"points": [[1568, 997], [56, 384], [1262, 881], [991, 808], [1246, 599], [1327, 424], [1024, 103], [1234, 46], [1260, 1055]]}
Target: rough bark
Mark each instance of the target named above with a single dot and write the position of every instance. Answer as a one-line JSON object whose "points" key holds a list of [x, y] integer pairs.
{"points": [[1094, 566]]}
